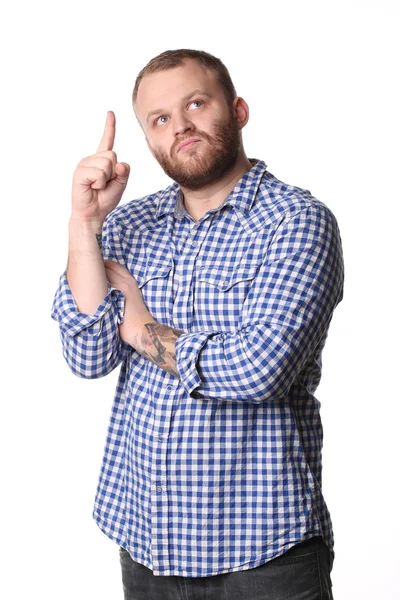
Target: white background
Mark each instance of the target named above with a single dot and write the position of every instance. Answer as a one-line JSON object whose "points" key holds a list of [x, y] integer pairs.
{"points": [[321, 80]]}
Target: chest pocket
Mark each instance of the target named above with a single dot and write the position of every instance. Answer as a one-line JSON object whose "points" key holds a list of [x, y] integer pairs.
{"points": [[221, 292], [151, 273], [156, 287], [224, 277]]}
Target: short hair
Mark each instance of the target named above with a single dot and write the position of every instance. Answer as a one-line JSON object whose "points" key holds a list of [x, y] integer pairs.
{"points": [[175, 58]]}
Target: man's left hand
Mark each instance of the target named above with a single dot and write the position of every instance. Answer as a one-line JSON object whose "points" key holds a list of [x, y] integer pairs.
{"points": [[136, 313], [150, 338]]}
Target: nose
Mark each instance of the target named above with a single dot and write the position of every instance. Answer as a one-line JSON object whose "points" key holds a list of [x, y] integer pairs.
{"points": [[181, 124]]}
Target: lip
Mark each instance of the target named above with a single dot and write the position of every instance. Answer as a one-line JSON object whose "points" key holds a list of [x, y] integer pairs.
{"points": [[187, 142]]}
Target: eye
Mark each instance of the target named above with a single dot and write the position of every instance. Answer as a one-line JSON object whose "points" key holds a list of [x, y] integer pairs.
{"points": [[162, 117], [158, 122], [197, 101]]}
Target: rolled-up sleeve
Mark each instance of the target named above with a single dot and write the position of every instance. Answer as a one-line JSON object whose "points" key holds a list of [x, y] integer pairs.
{"points": [[286, 315], [91, 344]]}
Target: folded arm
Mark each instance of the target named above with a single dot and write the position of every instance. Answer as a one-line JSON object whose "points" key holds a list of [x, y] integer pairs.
{"points": [[285, 316], [90, 338]]}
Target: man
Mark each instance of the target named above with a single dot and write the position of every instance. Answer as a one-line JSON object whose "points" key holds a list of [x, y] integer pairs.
{"points": [[215, 295]]}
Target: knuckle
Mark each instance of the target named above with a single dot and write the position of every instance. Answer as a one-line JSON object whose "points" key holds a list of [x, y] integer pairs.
{"points": [[103, 163], [85, 173], [98, 162], [102, 177], [79, 171], [101, 181], [109, 154], [82, 162]]}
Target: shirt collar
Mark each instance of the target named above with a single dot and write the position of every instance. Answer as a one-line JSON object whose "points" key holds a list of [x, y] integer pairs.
{"points": [[241, 197]]}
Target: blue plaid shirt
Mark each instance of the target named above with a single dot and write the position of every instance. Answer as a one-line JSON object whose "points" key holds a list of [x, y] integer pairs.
{"points": [[220, 470]]}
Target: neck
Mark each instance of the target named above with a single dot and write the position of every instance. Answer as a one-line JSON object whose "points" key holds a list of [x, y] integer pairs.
{"points": [[198, 202]]}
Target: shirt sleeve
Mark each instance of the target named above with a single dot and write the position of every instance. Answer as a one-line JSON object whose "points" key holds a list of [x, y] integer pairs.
{"points": [[91, 344], [287, 313]]}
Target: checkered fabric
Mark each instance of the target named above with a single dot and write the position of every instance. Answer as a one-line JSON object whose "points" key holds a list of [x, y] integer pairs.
{"points": [[219, 470]]}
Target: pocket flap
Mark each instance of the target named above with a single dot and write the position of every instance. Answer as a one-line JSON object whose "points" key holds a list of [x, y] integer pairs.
{"points": [[153, 271], [224, 277]]}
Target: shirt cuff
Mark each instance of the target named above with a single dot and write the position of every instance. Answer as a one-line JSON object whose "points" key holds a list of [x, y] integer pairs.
{"points": [[187, 349], [65, 310]]}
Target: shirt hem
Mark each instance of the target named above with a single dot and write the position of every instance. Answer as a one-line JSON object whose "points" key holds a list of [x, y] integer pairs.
{"points": [[120, 541]]}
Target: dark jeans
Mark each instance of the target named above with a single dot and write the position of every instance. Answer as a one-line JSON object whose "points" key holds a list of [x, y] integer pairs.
{"points": [[301, 573]]}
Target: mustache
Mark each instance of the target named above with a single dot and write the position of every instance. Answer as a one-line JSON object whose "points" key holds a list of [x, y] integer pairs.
{"points": [[179, 142], [218, 134]]}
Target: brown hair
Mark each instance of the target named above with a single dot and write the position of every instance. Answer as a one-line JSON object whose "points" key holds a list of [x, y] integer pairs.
{"points": [[175, 58]]}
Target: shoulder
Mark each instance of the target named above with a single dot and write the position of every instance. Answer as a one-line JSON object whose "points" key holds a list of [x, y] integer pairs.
{"points": [[141, 213], [277, 203]]}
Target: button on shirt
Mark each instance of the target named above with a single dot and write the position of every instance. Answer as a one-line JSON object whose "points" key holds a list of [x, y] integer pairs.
{"points": [[219, 470]]}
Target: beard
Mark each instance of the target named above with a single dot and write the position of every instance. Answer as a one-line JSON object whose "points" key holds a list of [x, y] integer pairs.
{"points": [[197, 166]]}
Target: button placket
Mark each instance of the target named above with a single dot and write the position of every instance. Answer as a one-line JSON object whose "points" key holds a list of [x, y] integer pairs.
{"points": [[183, 294], [187, 262]]}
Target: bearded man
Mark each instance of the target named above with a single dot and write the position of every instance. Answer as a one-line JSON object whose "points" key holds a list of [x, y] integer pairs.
{"points": [[215, 296]]}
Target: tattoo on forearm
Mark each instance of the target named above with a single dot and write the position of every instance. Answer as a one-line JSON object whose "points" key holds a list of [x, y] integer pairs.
{"points": [[99, 240], [158, 345]]}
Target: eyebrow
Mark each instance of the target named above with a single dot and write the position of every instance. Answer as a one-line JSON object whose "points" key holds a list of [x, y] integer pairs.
{"points": [[194, 93]]}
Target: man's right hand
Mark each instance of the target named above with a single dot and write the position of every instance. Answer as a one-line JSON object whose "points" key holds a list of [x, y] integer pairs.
{"points": [[99, 180]]}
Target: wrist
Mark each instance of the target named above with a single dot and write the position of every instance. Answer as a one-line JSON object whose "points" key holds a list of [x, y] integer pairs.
{"points": [[86, 225], [136, 331], [139, 329]]}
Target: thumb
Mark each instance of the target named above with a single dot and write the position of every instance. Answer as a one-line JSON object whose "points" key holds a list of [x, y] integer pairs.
{"points": [[122, 170]]}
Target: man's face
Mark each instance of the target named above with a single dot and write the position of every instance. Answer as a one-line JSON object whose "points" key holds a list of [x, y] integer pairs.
{"points": [[188, 102]]}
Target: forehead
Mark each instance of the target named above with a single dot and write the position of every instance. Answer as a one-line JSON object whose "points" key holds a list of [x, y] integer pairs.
{"points": [[164, 88]]}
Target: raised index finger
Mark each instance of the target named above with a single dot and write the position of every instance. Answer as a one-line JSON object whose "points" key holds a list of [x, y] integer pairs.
{"points": [[107, 141]]}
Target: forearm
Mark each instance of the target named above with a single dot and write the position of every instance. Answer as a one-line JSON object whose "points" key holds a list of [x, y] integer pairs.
{"points": [[157, 343], [95, 351], [254, 364], [85, 269], [91, 344]]}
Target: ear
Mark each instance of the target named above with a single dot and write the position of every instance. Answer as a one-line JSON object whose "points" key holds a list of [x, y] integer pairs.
{"points": [[241, 110]]}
